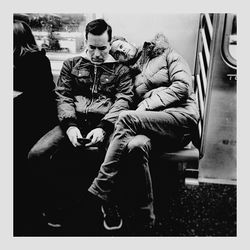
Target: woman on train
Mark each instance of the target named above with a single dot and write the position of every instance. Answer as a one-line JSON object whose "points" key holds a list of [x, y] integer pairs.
{"points": [[34, 109], [164, 118]]}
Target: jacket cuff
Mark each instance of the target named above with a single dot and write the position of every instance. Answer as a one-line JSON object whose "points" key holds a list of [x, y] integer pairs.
{"points": [[107, 126], [68, 122]]}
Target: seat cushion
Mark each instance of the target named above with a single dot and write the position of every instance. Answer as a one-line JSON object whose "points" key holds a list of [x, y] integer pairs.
{"points": [[189, 153]]}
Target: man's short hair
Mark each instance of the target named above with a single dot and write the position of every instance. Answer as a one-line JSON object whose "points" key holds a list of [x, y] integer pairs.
{"points": [[98, 27]]}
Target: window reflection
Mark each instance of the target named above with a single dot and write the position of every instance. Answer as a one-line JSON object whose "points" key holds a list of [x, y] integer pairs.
{"points": [[61, 35], [233, 38], [230, 40], [58, 32]]}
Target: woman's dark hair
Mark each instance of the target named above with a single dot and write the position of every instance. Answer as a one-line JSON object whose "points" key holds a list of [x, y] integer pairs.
{"points": [[98, 27], [24, 40]]}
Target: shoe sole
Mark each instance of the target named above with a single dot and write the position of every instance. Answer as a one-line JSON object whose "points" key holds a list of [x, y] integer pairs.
{"points": [[54, 225], [108, 227], [51, 224]]}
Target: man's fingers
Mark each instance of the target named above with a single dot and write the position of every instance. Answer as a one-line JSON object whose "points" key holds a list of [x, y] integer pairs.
{"points": [[74, 133], [79, 135], [75, 142], [89, 135], [94, 140], [96, 135]]}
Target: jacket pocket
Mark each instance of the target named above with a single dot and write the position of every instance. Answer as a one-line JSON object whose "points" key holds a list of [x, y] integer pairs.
{"points": [[107, 83], [83, 80]]}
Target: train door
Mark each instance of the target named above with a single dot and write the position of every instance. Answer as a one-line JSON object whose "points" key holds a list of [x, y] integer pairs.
{"points": [[219, 161]]}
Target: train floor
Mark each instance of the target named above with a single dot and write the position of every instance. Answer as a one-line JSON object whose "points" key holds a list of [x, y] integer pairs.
{"points": [[204, 210]]}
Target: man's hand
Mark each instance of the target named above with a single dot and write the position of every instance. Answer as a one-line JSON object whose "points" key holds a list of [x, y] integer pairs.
{"points": [[73, 133], [96, 135]]}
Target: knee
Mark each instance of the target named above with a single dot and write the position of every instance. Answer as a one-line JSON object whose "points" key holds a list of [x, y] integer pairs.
{"points": [[126, 119], [46, 145], [139, 142], [37, 151], [125, 115], [34, 153]]}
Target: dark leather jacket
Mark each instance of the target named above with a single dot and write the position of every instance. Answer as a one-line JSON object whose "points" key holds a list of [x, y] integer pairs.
{"points": [[86, 89]]}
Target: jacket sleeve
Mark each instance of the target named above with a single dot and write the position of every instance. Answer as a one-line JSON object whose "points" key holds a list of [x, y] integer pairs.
{"points": [[176, 90], [123, 99], [65, 100]]}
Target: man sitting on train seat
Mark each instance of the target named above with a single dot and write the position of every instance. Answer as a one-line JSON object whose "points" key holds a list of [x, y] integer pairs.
{"points": [[92, 90], [164, 118]]}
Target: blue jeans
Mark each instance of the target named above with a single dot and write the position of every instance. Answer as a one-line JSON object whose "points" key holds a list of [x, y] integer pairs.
{"points": [[138, 131]]}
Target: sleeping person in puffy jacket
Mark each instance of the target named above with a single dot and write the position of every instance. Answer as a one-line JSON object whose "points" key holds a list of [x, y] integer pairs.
{"points": [[164, 118]]}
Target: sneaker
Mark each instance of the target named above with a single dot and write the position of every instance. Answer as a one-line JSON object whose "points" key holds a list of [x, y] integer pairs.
{"points": [[112, 219]]}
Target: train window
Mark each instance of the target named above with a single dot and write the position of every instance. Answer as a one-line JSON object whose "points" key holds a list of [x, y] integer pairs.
{"points": [[230, 39], [61, 35]]}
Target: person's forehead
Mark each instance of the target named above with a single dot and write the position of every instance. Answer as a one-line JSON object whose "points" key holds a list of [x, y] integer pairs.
{"points": [[98, 40], [117, 43]]}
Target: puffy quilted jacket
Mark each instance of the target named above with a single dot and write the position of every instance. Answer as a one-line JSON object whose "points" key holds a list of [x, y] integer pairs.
{"points": [[164, 81], [85, 89]]}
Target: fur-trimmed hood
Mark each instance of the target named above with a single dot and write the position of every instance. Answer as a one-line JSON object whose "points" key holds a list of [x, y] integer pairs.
{"points": [[156, 47]]}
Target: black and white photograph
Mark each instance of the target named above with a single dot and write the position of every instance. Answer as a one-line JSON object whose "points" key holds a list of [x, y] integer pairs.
{"points": [[124, 124]]}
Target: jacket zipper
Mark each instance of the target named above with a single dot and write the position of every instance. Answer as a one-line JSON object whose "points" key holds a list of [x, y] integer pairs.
{"points": [[92, 90]]}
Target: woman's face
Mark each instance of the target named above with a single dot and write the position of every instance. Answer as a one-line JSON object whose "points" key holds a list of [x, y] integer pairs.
{"points": [[123, 51]]}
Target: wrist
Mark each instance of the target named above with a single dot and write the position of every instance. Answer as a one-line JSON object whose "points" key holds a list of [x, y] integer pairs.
{"points": [[106, 126], [70, 128]]}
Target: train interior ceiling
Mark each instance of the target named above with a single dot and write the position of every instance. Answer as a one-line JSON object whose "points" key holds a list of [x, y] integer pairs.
{"points": [[210, 40]]}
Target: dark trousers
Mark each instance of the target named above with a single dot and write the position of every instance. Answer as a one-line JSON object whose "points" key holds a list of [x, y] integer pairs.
{"points": [[57, 168]]}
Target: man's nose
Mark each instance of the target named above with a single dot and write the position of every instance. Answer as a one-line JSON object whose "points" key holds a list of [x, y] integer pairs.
{"points": [[97, 53]]}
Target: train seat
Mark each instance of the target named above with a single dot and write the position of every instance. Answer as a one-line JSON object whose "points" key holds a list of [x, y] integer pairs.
{"points": [[188, 153], [188, 157]]}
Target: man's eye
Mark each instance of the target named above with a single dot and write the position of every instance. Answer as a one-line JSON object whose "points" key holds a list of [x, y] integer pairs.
{"points": [[92, 47], [102, 48]]}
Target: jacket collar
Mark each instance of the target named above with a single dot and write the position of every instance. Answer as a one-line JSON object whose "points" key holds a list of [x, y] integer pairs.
{"points": [[110, 59]]}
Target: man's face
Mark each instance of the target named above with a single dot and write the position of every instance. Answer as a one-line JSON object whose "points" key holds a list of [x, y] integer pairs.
{"points": [[98, 47], [124, 51]]}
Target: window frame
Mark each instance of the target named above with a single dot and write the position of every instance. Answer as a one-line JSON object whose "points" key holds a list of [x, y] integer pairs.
{"points": [[226, 55]]}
